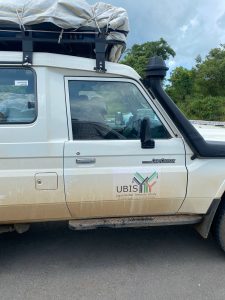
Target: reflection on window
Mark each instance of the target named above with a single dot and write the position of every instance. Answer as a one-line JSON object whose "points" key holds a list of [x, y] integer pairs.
{"points": [[110, 110], [17, 96]]}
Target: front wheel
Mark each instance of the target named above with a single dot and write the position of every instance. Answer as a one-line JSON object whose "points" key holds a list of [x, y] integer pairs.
{"points": [[219, 226]]}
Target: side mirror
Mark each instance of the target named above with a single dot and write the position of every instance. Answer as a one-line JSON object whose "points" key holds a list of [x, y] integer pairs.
{"points": [[146, 141]]}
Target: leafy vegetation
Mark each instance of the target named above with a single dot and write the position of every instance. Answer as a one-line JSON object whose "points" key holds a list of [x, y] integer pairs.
{"points": [[204, 108], [200, 92], [138, 56]]}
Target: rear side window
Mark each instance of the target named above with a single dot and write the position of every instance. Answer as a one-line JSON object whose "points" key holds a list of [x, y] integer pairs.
{"points": [[17, 96]]}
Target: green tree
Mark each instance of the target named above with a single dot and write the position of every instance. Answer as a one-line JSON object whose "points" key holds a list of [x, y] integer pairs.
{"points": [[181, 84], [198, 60], [200, 92], [204, 108], [138, 56], [210, 73]]}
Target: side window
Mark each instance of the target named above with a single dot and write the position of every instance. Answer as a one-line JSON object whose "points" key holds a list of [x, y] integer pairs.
{"points": [[110, 110], [17, 96]]}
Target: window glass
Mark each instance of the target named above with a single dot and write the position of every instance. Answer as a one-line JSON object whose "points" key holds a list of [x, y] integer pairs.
{"points": [[17, 96], [110, 110]]}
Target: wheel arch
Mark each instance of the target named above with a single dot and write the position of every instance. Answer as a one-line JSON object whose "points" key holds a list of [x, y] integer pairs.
{"points": [[205, 226]]}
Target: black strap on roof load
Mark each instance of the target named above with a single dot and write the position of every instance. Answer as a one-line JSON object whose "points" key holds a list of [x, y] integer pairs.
{"points": [[46, 37]]}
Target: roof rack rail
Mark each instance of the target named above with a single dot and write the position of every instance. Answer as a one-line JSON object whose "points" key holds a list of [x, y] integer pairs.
{"points": [[86, 42]]}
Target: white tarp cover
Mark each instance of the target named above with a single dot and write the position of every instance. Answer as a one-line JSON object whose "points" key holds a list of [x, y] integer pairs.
{"points": [[67, 14]]}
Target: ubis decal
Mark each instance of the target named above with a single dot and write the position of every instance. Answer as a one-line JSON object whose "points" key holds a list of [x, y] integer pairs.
{"points": [[140, 184]]}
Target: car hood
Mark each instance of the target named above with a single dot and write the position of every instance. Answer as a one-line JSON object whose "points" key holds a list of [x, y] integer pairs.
{"points": [[211, 133]]}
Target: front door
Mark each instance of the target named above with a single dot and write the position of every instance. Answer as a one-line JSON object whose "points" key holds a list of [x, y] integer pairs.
{"points": [[107, 173]]}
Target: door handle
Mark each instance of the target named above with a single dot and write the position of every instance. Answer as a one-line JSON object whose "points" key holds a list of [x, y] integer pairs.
{"points": [[85, 160]]}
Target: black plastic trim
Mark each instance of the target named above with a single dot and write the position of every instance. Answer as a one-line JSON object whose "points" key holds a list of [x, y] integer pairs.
{"points": [[204, 227], [38, 38]]}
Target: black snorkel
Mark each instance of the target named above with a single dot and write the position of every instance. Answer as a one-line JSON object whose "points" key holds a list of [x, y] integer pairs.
{"points": [[155, 73]]}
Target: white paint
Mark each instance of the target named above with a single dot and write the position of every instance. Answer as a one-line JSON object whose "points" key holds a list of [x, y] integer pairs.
{"points": [[38, 148], [211, 133], [116, 161], [72, 63]]}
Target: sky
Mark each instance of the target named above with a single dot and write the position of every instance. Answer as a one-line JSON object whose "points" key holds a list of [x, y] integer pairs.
{"points": [[191, 27]]}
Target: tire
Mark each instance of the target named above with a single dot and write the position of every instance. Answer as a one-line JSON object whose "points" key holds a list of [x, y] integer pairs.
{"points": [[219, 226]]}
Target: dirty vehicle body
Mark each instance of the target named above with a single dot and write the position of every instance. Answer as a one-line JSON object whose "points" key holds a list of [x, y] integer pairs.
{"points": [[89, 143]]}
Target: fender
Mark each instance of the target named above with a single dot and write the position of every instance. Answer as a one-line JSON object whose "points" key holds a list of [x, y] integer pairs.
{"points": [[204, 227], [221, 191]]}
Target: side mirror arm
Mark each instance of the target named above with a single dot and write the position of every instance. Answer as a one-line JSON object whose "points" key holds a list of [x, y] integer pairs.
{"points": [[145, 134]]}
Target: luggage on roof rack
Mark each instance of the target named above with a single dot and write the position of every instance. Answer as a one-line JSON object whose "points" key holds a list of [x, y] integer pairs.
{"points": [[70, 27]]}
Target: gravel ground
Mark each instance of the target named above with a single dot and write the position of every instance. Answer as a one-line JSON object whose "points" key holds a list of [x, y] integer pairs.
{"points": [[52, 262]]}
